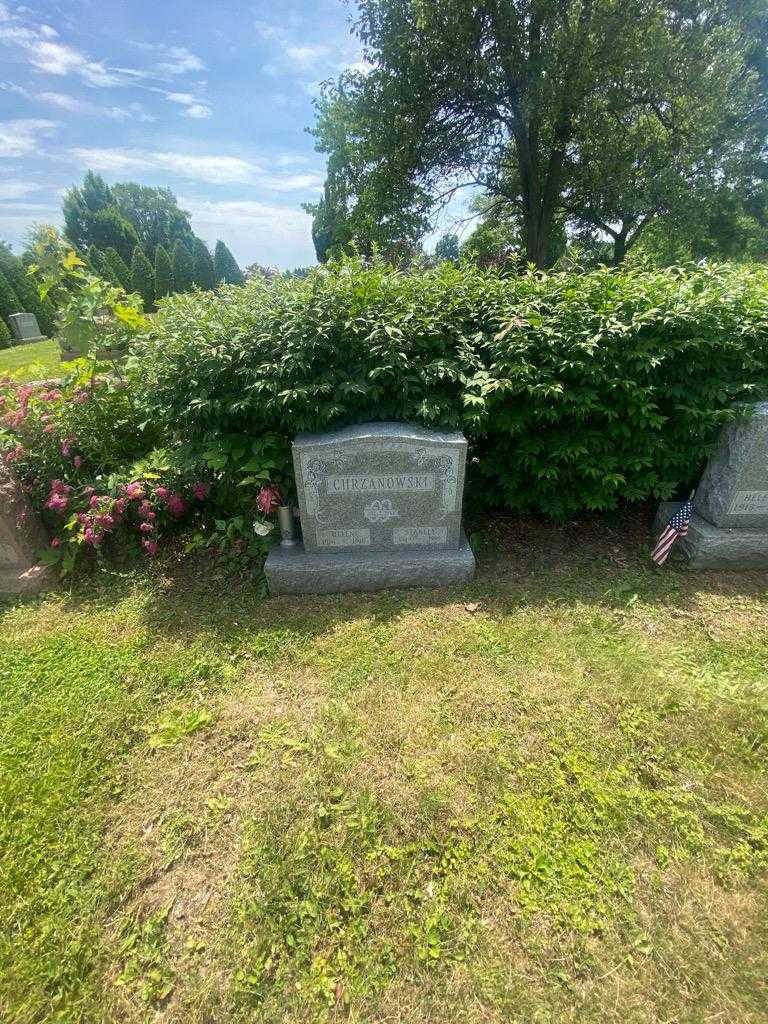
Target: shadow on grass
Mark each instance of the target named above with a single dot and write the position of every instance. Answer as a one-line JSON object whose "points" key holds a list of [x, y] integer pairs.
{"points": [[521, 562]]}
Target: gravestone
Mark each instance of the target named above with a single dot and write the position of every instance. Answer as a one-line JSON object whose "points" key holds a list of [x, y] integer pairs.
{"points": [[380, 506], [25, 328], [21, 537], [729, 528]]}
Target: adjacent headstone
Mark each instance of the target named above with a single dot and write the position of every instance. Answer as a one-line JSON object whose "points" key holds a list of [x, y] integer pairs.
{"points": [[729, 528], [21, 538], [380, 506], [25, 328]]}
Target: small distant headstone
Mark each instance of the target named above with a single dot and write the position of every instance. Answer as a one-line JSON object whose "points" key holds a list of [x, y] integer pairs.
{"points": [[380, 506], [25, 328], [21, 538], [729, 528]]}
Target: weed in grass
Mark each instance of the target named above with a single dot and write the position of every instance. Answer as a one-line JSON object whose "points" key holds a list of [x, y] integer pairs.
{"points": [[143, 952], [173, 726]]}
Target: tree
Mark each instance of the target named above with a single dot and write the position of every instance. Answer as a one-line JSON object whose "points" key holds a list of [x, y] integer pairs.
{"points": [[99, 265], [181, 267], [108, 229], [24, 287], [5, 334], [447, 247], [366, 204], [154, 214], [225, 267], [120, 274], [203, 273], [516, 97], [9, 300], [163, 273], [79, 207], [143, 277]]}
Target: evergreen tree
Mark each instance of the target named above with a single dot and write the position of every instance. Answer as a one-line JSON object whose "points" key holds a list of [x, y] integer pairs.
{"points": [[24, 287], [81, 204], [163, 273], [99, 265], [143, 277], [203, 273], [5, 334], [181, 265], [9, 300], [225, 266], [120, 271], [108, 229]]}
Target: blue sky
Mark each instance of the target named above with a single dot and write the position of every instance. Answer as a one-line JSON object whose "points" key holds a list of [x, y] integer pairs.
{"points": [[211, 99]]}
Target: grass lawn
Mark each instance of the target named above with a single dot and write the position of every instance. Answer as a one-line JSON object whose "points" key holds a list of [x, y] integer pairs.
{"points": [[540, 798], [31, 362]]}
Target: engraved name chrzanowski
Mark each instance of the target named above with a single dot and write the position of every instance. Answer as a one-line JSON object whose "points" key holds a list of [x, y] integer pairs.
{"points": [[385, 482], [442, 476]]}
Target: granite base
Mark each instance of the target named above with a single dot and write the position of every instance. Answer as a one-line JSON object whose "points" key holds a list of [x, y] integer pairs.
{"points": [[24, 582], [294, 571], [714, 547]]}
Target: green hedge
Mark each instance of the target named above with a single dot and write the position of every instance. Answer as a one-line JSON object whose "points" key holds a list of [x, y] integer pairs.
{"points": [[576, 391]]}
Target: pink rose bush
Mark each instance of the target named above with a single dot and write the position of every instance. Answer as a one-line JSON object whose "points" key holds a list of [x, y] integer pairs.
{"points": [[69, 441]]}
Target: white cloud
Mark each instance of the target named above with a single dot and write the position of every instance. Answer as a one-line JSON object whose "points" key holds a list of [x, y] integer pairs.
{"points": [[198, 110], [180, 97], [15, 188], [193, 106], [75, 105], [270, 234], [49, 56], [292, 182], [20, 137], [178, 60], [217, 170], [305, 56]]}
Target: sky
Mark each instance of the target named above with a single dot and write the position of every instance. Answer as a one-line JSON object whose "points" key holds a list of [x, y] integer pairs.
{"points": [[211, 99]]}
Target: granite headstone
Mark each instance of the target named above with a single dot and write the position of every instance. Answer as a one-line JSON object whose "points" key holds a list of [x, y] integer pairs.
{"points": [[729, 528], [21, 537], [380, 506], [25, 328]]}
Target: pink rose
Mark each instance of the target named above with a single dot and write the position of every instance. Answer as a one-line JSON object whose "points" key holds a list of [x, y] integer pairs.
{"points": [[55, 542], [57, 502], [77, 461], [161, 493], [150, 546], [269, 498], [176, 505]]}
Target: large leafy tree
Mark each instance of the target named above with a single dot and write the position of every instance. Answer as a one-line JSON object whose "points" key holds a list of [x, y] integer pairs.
{"points": [[92, 219], [371, 203], [518, 98], [154, 213]]}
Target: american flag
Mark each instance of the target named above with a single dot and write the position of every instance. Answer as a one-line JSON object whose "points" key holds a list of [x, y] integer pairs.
{"points": [[676, 527]]}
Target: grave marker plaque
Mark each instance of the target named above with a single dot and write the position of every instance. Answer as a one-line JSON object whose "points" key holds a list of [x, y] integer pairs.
{"points": [[729, 527], [380, 506], [25, 328]]}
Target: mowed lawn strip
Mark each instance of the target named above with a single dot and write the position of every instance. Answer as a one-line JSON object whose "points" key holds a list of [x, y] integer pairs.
{"points": [[33, 361], [388, 807]]}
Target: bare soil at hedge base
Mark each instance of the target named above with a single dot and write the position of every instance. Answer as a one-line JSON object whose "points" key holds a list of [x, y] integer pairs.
{"points": [[540, 797]]}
